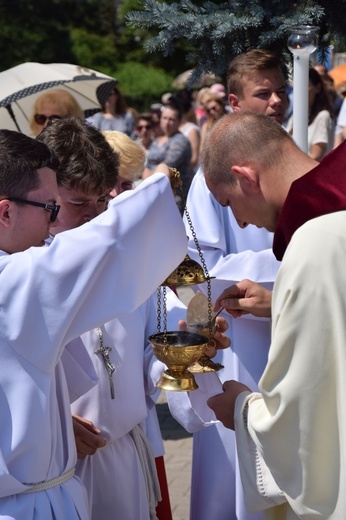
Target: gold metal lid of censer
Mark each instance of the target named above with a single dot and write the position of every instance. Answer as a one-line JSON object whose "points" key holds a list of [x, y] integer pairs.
{"points": [[189, 272]]}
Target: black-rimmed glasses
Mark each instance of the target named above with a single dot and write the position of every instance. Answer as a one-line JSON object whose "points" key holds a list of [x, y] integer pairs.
{"points": [[53, 208]]}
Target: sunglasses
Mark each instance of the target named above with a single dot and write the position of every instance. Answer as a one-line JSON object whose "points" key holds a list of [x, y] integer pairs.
{"points": [[211, 109], [140, 127], [41, 119], [53, 208]]}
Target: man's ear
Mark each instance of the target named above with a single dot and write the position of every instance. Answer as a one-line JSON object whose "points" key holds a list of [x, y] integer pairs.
{"points": [[5, 213], [233, 102], [247, 176]]}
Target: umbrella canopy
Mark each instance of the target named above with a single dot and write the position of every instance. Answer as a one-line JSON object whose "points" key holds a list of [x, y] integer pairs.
{"points": [[338, 74], [21, 85]]}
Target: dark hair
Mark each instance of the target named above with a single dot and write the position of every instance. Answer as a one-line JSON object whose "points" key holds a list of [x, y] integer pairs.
{"points": [[146, 116], [120, 105], [87, 161], [248, 64], [175, 105], [322, 98], [20, 158], [105, 90], [183, 98]]}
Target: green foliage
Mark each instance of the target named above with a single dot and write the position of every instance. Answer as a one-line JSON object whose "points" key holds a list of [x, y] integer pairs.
{"points": [[95, 51], [141, 84], [28, 35], [217, 31], [132, 41], [57, 31], [115, 37]]}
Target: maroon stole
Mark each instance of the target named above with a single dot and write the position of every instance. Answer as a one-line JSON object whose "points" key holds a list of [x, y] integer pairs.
{"points": [[320, 191]]}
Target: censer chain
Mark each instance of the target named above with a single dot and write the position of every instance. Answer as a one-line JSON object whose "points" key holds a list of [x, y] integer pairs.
{"points": [[194, 236]]}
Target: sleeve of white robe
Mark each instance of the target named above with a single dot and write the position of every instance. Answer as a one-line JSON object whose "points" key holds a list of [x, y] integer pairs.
{"points": [[79, 370], [90, 274], [190, 409], [298, 425]]}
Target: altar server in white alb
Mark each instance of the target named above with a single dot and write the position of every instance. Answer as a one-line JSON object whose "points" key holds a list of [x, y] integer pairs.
{"points": [[116, 462], [255, 82], [291, 435], [51, 295], [120, 477]]}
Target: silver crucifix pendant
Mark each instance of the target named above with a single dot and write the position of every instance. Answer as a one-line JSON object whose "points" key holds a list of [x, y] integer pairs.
{"points": [[104, 351]]}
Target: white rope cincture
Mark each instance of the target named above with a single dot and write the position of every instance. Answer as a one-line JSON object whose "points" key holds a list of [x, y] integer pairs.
{"points": [[47, 484], [147, 460]]}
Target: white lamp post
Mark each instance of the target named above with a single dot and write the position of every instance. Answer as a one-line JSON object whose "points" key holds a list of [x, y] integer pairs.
{"points": [[302, 42]]}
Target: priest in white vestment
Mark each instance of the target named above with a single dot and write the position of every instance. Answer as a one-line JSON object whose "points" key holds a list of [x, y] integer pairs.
{"points": [[290, 436]]}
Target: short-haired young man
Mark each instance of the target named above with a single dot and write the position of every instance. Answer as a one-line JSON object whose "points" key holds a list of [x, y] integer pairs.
{"points": [[255, 82]]}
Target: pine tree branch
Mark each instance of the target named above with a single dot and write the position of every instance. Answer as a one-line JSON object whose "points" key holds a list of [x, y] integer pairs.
{"points": [[219, 31]]}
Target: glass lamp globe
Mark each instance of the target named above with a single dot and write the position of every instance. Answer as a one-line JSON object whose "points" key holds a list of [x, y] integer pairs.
{"points": [[303, 40]]}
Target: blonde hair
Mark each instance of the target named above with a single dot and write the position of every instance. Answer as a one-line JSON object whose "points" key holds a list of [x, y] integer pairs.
{"points": [[199, 101], [132, 155], [63, 101]]}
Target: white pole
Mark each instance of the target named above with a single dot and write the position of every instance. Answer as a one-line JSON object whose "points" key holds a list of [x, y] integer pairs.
{"points": [[301, 42], [301, 101]]}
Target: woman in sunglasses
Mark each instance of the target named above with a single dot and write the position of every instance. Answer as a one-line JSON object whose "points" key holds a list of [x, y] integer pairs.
{"points": [[53, 104]]}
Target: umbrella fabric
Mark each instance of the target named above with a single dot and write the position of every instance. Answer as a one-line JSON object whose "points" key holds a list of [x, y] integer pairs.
{"points": [[21, 85]]}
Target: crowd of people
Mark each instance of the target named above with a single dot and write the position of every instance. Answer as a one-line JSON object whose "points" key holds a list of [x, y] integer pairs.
{"points": [[178, 138], [80, 267]]}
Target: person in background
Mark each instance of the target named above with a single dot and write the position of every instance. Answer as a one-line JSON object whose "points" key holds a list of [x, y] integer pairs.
{"points": [[291, 434], [214, 106], [114, 114], [334, 96], [340, 135], [53, 104], [143, 131], [188, 126], [155, 111], [321, 129], [200, 113], [132, 160], [321, 69], [219, 88], [172, 148]]}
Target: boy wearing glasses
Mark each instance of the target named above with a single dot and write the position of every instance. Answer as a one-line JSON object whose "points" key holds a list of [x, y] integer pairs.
{"points": [[51, 295]]}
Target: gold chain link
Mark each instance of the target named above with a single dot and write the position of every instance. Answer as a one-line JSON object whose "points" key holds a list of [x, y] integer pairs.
{"points": [[177, 178]]}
